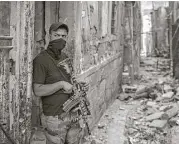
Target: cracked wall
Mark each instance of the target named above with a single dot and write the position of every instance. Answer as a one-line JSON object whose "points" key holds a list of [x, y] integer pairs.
{"points": [[99, 55]]}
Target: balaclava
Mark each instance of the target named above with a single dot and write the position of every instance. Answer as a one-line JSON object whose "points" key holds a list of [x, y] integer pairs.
{"points": [[55, 47]]}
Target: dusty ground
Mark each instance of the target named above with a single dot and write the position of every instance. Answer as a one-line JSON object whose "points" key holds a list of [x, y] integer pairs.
{"points": [[111, 128]]}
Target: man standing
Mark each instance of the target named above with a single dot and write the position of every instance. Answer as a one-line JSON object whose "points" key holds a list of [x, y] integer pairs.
{"points": [[53, 84]]}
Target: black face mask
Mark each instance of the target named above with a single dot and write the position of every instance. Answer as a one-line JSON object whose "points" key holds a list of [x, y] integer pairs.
{"points": [[56, 46]]}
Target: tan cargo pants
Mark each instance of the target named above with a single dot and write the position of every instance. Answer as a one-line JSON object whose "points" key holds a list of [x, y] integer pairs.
{"points": [[60, 131]]}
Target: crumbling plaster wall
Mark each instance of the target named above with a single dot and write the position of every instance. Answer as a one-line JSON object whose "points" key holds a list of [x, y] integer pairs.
{"points": [[16, 64], [4, 66], [99, 54]]}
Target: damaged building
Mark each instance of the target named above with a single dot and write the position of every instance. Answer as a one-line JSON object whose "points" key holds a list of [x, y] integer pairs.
{"points": [[96, 42], [160, 31], [132, 39]]}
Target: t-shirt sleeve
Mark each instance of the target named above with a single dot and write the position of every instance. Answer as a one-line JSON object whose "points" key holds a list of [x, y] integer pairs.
{"points": [[39, 73]]}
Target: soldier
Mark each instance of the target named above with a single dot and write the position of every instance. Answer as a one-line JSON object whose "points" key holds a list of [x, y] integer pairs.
{"points": [[52, 83]]}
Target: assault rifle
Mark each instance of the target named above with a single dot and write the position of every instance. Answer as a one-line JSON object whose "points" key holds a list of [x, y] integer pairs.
{"points": [[79, 99]]}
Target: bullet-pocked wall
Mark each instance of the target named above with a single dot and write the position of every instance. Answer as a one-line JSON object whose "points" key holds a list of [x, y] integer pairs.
{"points": [[99, 52]]}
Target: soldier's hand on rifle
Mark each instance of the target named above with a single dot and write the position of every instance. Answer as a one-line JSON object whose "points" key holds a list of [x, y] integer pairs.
{"points": [[67, 87]]}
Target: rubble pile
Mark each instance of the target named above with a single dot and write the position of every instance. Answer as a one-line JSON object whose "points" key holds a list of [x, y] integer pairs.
{"points": [[152, 121], [163, 64]]}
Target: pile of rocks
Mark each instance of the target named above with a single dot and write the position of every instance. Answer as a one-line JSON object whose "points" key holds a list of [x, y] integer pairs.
{"points": [[152, 121]]}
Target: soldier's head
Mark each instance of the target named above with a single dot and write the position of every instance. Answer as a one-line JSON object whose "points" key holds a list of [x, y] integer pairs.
{"points": [[58, 35], [58, 30]]}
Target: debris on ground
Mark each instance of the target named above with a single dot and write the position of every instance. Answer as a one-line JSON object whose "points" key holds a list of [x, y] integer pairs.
{"points": [[148, 109], [158, 113]]}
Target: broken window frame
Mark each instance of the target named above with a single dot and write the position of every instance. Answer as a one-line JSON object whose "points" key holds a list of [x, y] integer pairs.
{"points": [[112, 15]]}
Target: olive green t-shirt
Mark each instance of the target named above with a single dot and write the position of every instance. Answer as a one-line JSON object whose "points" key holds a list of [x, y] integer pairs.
{"points": [[45, 71]]}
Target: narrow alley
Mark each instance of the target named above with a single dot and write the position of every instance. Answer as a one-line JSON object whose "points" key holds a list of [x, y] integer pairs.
{"points": [[146, 112], [125, 120], [89, 72]]}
